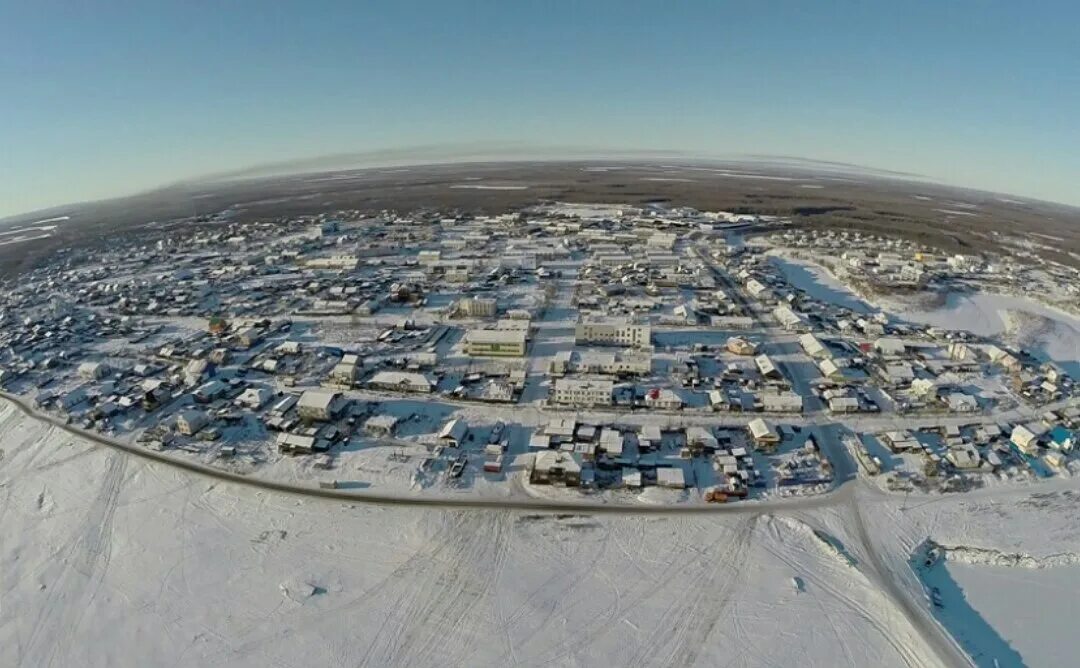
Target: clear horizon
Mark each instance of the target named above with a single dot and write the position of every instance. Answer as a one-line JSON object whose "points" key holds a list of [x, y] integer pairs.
{"points": [[111, 101]]}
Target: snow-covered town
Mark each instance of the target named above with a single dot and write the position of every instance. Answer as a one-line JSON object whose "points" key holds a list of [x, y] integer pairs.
{"points": [[539, 335], [563, 351]]}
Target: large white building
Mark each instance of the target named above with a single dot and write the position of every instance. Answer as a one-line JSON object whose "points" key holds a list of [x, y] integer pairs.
{"points": [[612, 332], [428, 258], [496, 342], [344, 372], [582, 392], [782, 402], [477, 307], [622, 363]]}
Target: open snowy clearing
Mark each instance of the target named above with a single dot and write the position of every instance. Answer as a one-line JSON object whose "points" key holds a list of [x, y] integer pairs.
{"points": [[113, 561]]}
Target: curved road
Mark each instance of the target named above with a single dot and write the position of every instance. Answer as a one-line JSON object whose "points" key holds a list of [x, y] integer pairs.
{"points": [[842, 492], [917, 615]]}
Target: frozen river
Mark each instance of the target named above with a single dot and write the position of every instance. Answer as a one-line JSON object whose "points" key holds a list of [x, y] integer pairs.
{"points": [[820, 284], [1010, 616], [1056, 338]]}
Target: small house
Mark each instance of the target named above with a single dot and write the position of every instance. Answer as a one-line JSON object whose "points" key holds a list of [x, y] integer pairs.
{"points": [[317, 405], [763, 433], [453, 433], [380, 425], [554, 467], [190, 422]]}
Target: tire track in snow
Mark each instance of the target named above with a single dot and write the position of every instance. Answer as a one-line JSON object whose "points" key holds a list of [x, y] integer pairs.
{"points": [[440, 599], [709, 606], [85, 561], [909, 658], [694, 612]]}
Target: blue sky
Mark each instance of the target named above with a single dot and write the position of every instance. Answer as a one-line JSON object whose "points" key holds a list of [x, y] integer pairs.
{"points": [[111, 99]]}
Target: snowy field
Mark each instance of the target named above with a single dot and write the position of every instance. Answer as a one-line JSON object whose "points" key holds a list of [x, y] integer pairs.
{"points": [[109, 560]]}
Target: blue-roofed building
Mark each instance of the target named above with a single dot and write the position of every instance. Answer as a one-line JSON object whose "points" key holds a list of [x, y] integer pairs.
{"points": [[1062, 438]]}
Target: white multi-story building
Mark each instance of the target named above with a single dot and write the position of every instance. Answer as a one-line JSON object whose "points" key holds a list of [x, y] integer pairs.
{"points": [[911, 273], [496, 342], [457, 271], [612, 332], [344, 372], [582, 392], [477, 307], [630, 363]]}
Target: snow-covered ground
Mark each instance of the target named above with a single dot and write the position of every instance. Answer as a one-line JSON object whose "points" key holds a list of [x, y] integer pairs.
{"points": [[110, 560]]}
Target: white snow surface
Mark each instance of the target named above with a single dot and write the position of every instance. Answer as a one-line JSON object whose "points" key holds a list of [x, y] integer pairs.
{"points": [[111, 560]]}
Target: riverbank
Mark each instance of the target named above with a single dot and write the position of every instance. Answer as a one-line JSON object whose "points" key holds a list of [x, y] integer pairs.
{"points": [[1050, 332]]}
